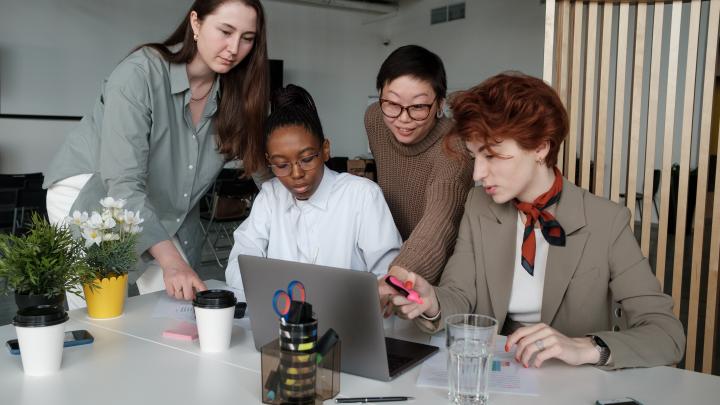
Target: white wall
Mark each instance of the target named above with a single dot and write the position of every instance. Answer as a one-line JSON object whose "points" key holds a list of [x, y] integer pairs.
{"points": [[495, 36], [335, 54]]}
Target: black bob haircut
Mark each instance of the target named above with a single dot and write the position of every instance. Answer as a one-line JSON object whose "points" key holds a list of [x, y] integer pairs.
{"points": [[417, 62]]}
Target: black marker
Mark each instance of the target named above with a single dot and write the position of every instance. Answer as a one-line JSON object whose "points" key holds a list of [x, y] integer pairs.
{"points": [[365, 400]]}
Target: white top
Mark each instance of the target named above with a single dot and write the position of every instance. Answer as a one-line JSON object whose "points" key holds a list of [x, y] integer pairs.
{"points": [[527, 291], [346, 223]]}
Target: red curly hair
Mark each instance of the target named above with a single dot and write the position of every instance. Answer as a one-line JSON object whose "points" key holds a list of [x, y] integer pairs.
{"points": [[510, 105]]}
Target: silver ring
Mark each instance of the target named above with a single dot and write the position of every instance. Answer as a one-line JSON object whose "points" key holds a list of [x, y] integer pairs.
{"points": [[540, 345]]}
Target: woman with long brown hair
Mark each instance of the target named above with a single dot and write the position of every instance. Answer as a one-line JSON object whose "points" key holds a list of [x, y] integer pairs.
{"points": [[166, 120]]}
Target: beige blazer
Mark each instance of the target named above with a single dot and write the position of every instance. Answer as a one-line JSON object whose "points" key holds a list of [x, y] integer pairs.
{"points": [[600, 269]]}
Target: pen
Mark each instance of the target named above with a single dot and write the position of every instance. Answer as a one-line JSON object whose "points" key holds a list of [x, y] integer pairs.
{"points": [[370, 399]]}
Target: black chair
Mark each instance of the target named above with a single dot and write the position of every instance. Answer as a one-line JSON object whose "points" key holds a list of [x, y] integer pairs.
{"points": [[639, 196], [226, 204], [8, 209], [20, 194]]}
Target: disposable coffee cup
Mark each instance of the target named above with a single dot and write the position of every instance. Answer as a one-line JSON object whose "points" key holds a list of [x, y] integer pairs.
{"points": [[41, 331], [214, 313]]}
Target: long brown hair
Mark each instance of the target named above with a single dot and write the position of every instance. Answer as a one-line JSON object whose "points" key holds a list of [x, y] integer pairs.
{"points": [[245, 89]]}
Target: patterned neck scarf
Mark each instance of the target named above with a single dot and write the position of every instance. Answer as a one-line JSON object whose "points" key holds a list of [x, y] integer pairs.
{"points": [[552, 231]]}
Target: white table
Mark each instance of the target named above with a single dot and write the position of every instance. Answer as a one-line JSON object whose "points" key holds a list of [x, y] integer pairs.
{"points": [[130, 362]]}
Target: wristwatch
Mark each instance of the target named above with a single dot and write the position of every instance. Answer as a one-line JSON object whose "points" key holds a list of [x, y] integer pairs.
{"points": [[602, 348]]}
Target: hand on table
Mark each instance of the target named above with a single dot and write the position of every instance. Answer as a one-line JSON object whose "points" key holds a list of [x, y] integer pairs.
{"points": [[392, 301], [547, 343], [181, 281]]}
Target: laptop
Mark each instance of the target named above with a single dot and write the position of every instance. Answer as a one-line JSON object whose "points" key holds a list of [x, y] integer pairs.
{"points": [[345, 300]]}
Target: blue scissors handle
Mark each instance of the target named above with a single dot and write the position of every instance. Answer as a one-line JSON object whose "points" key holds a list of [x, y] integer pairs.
{"points": [[282, 299], [296, 290], [281, 303]]}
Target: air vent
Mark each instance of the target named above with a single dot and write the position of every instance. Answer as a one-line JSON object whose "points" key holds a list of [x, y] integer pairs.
{"points": [[438, 15], [447, 13], [456, 11]]}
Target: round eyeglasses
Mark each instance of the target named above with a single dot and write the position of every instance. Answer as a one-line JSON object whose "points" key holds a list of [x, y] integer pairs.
{"points": [[417, 112], [305, 163]]}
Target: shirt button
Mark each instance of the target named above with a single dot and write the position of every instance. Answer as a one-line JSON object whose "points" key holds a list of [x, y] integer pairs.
{"points": [[185, 195], [190, 167], [177, 220], [194, 137], [184, 242]]}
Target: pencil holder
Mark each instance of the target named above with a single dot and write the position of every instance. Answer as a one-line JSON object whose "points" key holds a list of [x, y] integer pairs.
{"points": [[285, 375], [297, 362]]}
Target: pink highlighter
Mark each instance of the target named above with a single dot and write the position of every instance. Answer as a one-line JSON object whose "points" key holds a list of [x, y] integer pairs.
{"points": [[408, 293]]}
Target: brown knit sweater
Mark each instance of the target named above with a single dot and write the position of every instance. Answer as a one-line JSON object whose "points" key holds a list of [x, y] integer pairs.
{"points": [[425, 190]]}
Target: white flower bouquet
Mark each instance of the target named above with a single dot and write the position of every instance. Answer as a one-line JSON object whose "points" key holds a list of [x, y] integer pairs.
{"points": [[110, 237]]}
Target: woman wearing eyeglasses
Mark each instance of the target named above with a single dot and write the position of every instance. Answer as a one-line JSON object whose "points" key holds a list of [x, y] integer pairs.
{"points": [[309, 213], [424, 188]]}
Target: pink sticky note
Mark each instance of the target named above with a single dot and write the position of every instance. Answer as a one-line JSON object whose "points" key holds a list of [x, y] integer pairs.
{"points": [[182, 331]]}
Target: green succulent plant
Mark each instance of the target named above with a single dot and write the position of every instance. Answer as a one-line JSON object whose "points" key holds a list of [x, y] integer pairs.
{"points": [[47, 260]]}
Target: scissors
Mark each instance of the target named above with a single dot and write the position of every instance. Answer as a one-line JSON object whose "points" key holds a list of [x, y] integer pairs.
{"points": [[282, 299]]}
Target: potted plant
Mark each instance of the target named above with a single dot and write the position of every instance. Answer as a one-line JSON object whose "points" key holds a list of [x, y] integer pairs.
{"points": [[109, 246], [42, 265]]}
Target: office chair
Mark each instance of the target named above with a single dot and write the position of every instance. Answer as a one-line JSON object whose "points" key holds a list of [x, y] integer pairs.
{"points": [[227, 203], [20, 194], [639, 196]]}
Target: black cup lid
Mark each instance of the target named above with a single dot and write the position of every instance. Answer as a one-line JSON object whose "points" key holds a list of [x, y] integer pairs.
{"points": [[40, 315], [215, 299]]}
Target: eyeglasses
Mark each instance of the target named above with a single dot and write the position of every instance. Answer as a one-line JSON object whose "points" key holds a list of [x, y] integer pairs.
{"points": [[417, 112], [306, 163]]}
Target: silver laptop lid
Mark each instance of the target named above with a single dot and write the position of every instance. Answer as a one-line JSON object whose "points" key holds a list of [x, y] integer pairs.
{"points": [[345, 300]]}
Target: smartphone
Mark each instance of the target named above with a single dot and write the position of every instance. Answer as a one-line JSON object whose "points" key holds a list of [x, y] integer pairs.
{"points": [[619, 401], [72, 338]]}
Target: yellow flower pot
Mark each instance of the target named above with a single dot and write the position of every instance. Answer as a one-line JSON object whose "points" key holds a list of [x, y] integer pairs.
{"points": [[107, 299]]}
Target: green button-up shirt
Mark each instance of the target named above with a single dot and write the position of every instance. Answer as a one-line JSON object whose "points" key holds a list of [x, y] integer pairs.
{"points": [[139, 144]]}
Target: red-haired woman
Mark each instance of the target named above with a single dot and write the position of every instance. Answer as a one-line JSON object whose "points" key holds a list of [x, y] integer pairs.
{"points": [[547, 259]]}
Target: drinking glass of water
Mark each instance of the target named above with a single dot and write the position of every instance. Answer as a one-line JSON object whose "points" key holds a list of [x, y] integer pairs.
{"points": [[470, 343]]}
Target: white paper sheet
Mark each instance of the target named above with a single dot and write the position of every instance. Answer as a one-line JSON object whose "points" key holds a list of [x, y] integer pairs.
{"points": [[506, 376], [171, 308]]}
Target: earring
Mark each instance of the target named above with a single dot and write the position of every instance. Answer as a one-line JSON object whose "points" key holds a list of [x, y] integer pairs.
{"points": [[440, 113], [539, 161], [195, 37]]}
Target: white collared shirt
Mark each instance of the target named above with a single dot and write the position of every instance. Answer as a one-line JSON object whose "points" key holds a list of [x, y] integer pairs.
{"points": [[527, 291], [346, 223]]}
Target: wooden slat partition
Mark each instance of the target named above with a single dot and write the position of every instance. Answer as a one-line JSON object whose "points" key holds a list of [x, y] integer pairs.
{"points": [[549, 53], [668, 142], [686, 134], [603, 97], [586, 58], [589, 96], [635, 110], [575, 86], [622, 40], [653, 102], [562, 66], [698, 236]]}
